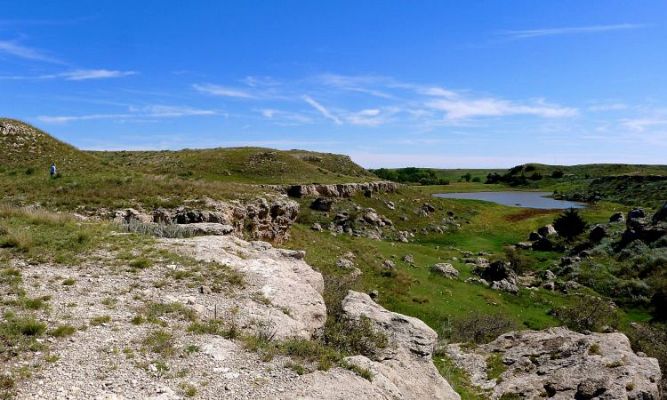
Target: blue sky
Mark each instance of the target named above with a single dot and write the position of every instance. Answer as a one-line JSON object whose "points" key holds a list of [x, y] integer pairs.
{"points": [[391, 83]]}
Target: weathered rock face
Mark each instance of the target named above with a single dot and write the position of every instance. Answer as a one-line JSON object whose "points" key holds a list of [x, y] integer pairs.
{"points": [[403, 370], [281, 293], [560, 364], [340, 190], [260, 219]]}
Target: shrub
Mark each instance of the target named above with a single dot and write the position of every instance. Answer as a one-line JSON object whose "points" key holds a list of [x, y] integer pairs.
{"points": [[160, 342], [557, 174], [570, 224], [480, 328], [588, 313], [103, 319], [520, 263], [659, 300], [62, 331]]}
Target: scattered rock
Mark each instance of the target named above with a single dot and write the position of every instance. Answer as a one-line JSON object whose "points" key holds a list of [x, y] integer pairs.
{"points": [[547, 230], [598, 233], [445, 269], [617, 217], [344, 263], [543, 244], [316, 227]]}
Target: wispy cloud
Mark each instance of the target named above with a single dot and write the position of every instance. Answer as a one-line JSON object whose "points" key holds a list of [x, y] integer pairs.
{"points": [[153, 111], [533, 33], [223, 91], [322, 110], [85, 74], [15, 49], [76, 75], [458, 108], [285, 117], [642, 124]]}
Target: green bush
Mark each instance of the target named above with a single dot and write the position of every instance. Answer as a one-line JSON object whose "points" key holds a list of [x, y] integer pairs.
{"points": [[570, 224], [588, 313], [480, 328]]}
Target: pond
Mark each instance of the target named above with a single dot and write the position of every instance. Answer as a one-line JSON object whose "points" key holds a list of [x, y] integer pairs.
{"points": [[516, 199]]}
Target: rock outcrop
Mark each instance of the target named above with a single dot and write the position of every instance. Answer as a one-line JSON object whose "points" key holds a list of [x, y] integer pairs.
{"points": [[339, 190], [445, 269], [560, 364], [281, 293], [403, 370], [260, 219]]}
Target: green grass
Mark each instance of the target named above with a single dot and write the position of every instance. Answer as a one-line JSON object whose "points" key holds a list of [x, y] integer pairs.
{"points": [[99, 320], [495, 366], [62, 331], [160, 342]]}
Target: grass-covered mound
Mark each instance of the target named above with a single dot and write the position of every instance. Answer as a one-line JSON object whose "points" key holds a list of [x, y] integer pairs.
{"points": [[28, 150], [241, 164]]}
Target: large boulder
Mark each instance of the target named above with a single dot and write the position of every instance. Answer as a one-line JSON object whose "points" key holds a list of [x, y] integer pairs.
{"points": [[402, 370], [547, 230], [598, 233], [560, 364]]}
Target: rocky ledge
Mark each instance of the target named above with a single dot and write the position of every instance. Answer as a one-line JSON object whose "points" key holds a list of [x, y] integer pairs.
{"points": [[281, 295], [560, 364], [339, 190], [260, 219], [403, 370]]}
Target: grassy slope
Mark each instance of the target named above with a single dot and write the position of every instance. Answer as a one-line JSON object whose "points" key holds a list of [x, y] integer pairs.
{"points": [[242, 164], [415, 291], [157, 178]]}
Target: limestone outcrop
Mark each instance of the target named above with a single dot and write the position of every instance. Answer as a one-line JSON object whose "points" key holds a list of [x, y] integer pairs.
{"points": [[339, 190], [266, 219], [281, 295], [403, 370], [560, 364]]}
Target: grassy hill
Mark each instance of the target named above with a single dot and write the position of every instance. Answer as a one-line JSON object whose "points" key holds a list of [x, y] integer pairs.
{"points": [[152, 178], [27, 148], [241, 164]]}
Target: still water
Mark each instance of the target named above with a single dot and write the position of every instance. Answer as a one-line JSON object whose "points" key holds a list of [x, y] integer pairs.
{"points": [[516, 199]]}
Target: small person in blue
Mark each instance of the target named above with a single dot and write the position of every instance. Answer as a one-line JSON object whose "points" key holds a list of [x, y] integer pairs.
{"points": [[53, 170]]}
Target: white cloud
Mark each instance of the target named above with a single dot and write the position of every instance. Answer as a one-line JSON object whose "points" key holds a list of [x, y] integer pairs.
{"points": [[641, 124], [436, 91], [85, 74], [15, 49], [285, 117], [607, 107], [532, 33], [217, 90], [458, 108], [76, 75], [368, 117], [323, 110], [153, 111]]}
